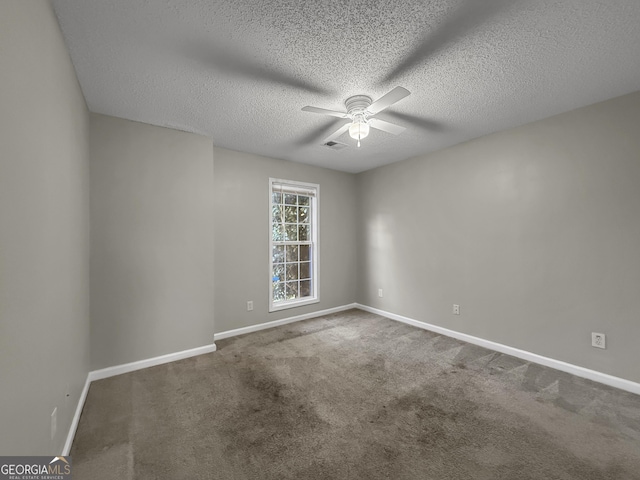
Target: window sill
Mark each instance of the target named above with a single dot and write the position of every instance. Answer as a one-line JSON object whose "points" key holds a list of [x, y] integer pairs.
{"points": [[292, 304]]}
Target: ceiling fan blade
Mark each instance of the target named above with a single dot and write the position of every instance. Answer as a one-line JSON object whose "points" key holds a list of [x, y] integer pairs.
{"points": [[232, 63], [324, 111], [470, 15], [386, 126], [315, 136], [421, 122], [337, 133], [387, 100]]}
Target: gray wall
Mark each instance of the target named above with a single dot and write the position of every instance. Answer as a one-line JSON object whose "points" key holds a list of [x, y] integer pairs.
{"points": [[151, 241], [535, 232], [44, 231], [242, 236]]}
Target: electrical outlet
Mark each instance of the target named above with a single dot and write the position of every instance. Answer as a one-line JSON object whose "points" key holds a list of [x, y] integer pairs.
{"points": [[380, 292], [598, 340], [250, 306], [54, 422], [456, 309]]}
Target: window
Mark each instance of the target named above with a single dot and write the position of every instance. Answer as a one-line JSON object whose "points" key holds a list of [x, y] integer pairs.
{"points": [[293, 244]]}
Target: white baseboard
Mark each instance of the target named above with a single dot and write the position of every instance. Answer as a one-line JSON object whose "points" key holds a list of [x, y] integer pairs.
{"points": [[149, 362], [76, 418], [119, 370], [283, 321], [172, 357], [594, 375]]}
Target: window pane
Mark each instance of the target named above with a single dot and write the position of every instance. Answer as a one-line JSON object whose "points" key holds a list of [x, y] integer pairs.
{"points": [[305, 288], [277, 232], [276, 213], [276, 197], [305, 270], [292, 253], [305, 253], [292, 271], [292, 290], [278, 254], [303, 200], [290, 214], [291, 233], [278, 273], [278, 291], [303, 233], [303, 214], [290, 199]]}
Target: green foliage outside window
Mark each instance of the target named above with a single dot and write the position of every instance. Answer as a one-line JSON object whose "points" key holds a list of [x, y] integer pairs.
{"points": [[291, 232]]}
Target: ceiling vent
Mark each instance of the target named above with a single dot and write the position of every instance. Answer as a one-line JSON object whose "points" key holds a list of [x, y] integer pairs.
{"points": [[335, 145]]}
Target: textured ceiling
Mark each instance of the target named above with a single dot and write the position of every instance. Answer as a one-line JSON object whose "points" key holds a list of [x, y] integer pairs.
{"points": [[240, 71]]}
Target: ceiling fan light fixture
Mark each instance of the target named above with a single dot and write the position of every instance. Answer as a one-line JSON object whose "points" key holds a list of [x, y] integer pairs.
{"points": [[359, 130]]}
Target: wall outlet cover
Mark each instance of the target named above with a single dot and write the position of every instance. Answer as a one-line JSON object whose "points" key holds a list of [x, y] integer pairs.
{"points": [[598, 340]]}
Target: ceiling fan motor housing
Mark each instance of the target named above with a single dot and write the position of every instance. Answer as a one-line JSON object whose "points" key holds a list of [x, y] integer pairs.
{"points": [[357, 105]]}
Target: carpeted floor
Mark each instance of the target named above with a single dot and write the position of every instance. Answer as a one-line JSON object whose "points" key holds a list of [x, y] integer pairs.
{"points": [[355, 396]]}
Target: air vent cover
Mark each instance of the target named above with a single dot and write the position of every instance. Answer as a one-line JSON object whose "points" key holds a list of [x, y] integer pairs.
{"points": [[335, 145]]}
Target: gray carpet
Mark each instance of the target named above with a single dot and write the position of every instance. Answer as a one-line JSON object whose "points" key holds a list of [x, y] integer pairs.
{"points": [[355, 396]]}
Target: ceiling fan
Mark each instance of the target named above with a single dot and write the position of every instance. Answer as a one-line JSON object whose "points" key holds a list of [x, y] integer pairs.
{"points": [[360, 110]]}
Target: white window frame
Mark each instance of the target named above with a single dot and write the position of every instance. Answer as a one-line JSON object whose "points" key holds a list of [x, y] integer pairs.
{"points": [[315, 251]]}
